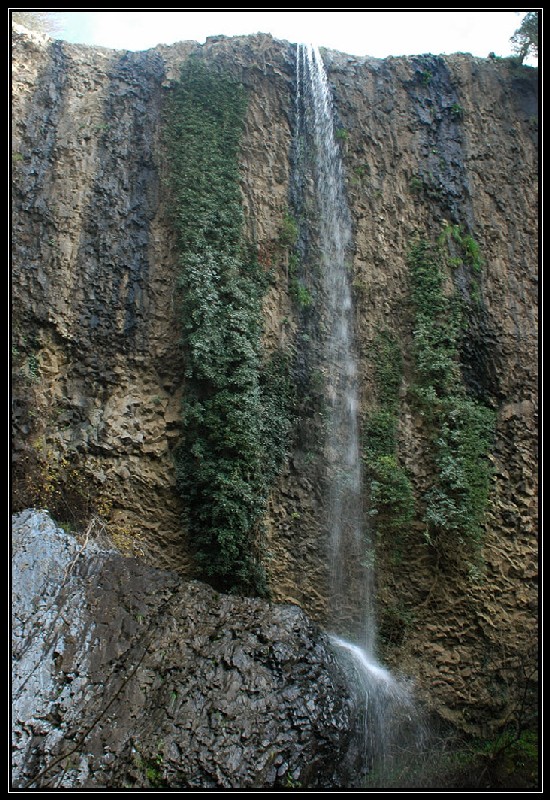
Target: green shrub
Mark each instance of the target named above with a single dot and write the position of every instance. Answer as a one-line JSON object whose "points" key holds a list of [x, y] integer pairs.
{"points": [[391, 494], [388, 368], [379, 433], [288, 235], [300, 293]]}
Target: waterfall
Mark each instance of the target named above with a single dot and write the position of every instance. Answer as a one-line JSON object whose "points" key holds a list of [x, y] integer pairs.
{"points": [[350, 589], [351, 613]]}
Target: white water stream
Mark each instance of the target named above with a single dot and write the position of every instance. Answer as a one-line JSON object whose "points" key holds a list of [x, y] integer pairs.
{"points": [[350, 588], [388, 704]]}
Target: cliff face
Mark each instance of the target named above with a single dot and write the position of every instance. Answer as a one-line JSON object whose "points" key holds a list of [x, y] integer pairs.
{"points": [[429, 144], [434, 141]]}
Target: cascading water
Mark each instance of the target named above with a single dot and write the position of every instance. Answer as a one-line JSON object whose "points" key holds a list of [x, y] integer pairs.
{"points": [[350, 575], [351, 616]]}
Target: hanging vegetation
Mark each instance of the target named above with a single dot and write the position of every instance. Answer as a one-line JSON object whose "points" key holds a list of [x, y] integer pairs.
{"points": [[236, 408], [461, 428], [391, 495]]}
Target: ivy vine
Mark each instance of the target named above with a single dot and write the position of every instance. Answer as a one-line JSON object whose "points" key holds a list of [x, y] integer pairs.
{"points": [[237, 401], [391, 497], [461, 427]]}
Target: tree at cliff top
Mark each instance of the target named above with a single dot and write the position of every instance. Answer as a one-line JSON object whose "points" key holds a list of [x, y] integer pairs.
{"points": [[41, 21], [525, 40]]}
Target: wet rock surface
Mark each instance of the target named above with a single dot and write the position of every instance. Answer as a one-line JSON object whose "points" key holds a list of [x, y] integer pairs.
{"points": [[127, 676]]}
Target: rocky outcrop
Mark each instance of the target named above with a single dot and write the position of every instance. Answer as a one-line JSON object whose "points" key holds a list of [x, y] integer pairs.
{"points": [[127, 676], [93, 300]]}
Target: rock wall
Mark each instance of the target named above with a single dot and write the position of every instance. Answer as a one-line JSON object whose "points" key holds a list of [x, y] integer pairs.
{"points": [[453, 140], [94, 279], [97, 370]]}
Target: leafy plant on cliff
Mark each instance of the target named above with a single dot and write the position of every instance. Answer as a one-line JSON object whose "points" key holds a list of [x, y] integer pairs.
{"points": [[288, 235], [461, 428], [390, 490], [463, 251], [41, 21], [525, 41], [237, 401]]}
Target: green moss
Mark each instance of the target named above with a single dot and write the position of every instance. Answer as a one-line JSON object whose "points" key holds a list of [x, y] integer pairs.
{"points": [[234, 411], [288, 235]]}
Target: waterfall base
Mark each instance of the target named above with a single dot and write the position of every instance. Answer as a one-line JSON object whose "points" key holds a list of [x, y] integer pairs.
{"points": [[393, 735]]}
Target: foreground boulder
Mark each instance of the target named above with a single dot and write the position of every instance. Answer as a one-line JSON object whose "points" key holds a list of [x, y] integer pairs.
{"points": [[124, 676]]}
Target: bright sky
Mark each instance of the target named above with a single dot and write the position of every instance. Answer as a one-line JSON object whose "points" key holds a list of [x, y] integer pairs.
{"points": [[375, 33]]}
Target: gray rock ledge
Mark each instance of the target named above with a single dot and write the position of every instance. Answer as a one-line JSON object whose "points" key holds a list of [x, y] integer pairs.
{"points": [[126, 676]]}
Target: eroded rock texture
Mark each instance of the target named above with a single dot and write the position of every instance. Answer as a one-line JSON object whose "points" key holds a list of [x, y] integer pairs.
{"points": [[432, 141], [125, 676], [98, 377]]}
